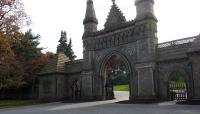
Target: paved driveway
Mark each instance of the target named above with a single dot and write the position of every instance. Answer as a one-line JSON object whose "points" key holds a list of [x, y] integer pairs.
{"points": [[104, 107]]}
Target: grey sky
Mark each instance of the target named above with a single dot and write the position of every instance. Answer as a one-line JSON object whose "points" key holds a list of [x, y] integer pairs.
{"points": [[177, 19]]}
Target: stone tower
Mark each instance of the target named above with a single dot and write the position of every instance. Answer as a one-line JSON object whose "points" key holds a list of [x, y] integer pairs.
{"points": [[144, 8], [90, 26], [146, 24]]}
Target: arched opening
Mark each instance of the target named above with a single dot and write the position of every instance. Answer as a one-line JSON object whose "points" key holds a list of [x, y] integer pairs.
{"points": [[177, 86], [76, 93], [115, 71]]}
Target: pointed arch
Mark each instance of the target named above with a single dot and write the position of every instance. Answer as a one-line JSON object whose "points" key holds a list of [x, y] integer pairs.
{"points": [[103, 70], [178, 84]]}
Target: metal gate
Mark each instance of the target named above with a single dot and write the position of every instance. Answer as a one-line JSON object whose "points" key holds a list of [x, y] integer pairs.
{"points": [[178, 91]]}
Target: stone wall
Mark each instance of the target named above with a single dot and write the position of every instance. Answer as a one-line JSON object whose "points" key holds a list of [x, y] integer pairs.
{"points": [[52, 87]]}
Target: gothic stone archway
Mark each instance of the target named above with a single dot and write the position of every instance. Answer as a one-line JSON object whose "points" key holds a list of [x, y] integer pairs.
{"points": [[138, 38], [110, 67]]}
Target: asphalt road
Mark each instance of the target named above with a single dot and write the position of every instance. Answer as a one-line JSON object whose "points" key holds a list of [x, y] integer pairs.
{"points": [[105, 107]]}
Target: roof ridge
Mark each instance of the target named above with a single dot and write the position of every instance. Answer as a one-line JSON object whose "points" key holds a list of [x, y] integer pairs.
{"points": [[56, 64]]}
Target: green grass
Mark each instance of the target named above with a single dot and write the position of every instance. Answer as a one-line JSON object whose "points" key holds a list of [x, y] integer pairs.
{"points": [[121, 88], [173, 83], [12, 103]]}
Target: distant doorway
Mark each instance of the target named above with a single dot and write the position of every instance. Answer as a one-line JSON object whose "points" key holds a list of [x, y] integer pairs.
{"points": [[76, 93]]}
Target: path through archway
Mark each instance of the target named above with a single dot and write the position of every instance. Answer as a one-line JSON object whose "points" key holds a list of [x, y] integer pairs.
{"points": [[115, 70]]}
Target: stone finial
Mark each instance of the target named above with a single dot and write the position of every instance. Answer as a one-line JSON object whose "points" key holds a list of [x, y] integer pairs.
{"points": [[90, 22], [113, 1]]}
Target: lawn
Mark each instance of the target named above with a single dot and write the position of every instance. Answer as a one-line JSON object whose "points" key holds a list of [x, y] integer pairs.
{"points": [[11, 103], [121, 88]]}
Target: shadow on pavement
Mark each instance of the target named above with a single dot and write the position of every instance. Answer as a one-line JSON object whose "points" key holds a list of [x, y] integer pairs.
{"points": [[194, 102]]}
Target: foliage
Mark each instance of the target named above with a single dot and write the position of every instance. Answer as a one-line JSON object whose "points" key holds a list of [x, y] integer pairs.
{"points": [[177, 76], [120, 78], [5, 48], [70, 51], [66, 47], [177, 85], [26, 51], [18, 59], [10, 70], [12, 16], [38, 63], [121, 88], [26, 46], [11, 74]]}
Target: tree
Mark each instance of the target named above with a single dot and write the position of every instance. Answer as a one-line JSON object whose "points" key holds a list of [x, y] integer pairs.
{"points": [[26, 46], [71, 52], [66, 47], [5, 48], [38, 63], [12, 16], [16, 58], [20, 57], [10, 70], [27, 51]]}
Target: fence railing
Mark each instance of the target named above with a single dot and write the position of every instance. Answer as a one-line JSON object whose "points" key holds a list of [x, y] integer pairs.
{"points": [[177, 42], [177, 91]]}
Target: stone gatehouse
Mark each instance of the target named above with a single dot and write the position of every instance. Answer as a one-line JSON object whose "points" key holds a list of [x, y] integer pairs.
{"points": [[149, 65]]}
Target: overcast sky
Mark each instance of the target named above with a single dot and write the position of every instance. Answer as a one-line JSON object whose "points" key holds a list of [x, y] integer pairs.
{"points": [[177, 19]]}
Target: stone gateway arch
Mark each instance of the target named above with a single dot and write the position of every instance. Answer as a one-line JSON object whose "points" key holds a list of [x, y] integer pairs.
{"points": [[151, 67]]}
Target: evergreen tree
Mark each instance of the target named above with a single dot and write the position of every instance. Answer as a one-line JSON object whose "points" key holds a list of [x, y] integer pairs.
{"points": [[65, 46], [26, 47], [71, 52]]}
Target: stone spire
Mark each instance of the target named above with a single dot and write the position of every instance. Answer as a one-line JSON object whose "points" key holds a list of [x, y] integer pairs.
{"points": [[90, 22], [115, 17], [145, 9], [113, 1]]}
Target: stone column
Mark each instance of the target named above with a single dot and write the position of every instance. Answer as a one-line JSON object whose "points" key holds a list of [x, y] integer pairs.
{"points": [[194, 55], [195, 59], [87, 84]]}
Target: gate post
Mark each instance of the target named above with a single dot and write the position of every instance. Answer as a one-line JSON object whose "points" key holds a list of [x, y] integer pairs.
{"points": [[195, 60], [146, 86], [87, 84]]}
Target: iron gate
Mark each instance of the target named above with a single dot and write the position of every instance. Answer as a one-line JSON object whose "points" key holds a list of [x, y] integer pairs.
{"points": [[178, 91]]}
